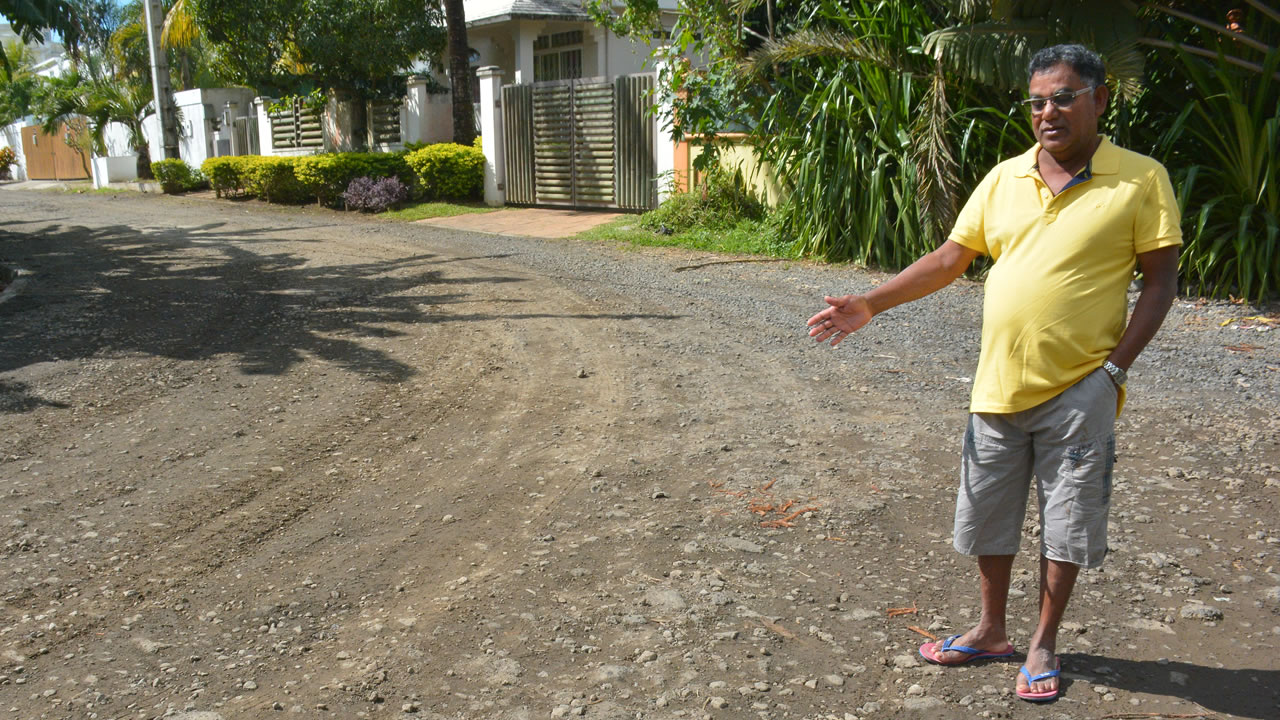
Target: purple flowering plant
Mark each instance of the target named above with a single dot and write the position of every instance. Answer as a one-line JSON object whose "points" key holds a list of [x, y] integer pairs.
{"points": [[375, 194]]}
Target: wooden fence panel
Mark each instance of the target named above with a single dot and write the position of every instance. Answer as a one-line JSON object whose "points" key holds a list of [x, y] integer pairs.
{"points": [[636, 179], [517, 133], [593, 144], [50, 156], [297, 126], [384, 123]]}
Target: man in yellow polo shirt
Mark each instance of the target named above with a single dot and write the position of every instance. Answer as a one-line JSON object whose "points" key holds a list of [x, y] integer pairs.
{"points": [[1066, 224]]}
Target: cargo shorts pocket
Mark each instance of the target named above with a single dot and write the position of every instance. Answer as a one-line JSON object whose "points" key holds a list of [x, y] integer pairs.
{"points": [[1076, 509]]}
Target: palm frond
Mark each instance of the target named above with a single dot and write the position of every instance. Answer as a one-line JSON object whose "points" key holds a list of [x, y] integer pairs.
{"points": [[937, 170], [1126, 65], [809, 43], [180, 28], [992, 53]]}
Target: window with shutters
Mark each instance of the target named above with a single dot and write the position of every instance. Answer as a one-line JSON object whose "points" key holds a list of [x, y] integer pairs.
{"points": [[558, 56]]}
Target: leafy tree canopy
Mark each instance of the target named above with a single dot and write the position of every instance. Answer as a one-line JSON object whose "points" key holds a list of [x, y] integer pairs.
{"points": [[31, 18], [292, 47]]}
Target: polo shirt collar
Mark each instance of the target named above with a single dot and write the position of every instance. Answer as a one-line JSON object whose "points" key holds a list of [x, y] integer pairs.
{"points": [[1105, 160]]}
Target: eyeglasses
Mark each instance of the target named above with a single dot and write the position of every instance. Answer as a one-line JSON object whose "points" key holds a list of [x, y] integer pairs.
{"points": [[1061, 100]]}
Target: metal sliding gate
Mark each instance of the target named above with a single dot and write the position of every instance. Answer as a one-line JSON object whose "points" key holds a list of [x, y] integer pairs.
{"points": [[580, 143]]}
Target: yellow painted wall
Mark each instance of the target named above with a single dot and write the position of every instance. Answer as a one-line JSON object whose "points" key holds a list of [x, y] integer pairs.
{"points": [[759, 176]]}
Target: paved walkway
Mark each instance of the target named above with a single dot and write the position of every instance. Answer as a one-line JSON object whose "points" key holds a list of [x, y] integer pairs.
{"points": [[527, 222]]}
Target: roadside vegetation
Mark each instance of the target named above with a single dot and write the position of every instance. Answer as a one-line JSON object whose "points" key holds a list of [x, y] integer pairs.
{"points": [[878, 118]]}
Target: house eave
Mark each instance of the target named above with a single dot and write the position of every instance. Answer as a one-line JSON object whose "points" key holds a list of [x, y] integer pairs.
{"points": [[508, 17]]}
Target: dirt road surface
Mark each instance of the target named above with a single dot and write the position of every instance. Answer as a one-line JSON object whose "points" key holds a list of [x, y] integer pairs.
{"points": [[266, 462]]}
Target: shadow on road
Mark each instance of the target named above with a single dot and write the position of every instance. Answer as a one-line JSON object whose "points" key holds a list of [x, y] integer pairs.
{"points": [[1248, 693], [198, 292]]}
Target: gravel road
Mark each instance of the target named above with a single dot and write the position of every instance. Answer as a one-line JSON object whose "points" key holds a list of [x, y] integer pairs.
{"points": [[263, 462]]}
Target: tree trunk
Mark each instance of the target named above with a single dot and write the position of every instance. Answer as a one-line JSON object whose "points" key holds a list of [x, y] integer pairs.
{"points": [[464, 123], [143, 165]]}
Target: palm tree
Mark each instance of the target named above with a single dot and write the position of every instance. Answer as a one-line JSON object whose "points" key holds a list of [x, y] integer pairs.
{"points": [[182, 35], [93, 105], [18, 85], [464, 123]]}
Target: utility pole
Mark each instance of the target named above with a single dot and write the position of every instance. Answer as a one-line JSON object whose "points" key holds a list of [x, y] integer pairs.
{"points": [[166, 113]]}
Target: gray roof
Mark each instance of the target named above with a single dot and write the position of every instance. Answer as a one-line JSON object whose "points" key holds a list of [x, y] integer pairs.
{"points": [[485, 12]]}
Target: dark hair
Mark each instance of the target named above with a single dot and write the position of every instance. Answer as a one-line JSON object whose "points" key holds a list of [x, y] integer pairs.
{"points": [[1079, 58]]}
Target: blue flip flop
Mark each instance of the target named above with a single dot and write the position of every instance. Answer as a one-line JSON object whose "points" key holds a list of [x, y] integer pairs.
{"points": [[1039, 696], [931, 652]]}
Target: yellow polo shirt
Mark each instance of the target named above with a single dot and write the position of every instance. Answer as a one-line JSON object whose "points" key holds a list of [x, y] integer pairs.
{"points": [[1055, 300]]}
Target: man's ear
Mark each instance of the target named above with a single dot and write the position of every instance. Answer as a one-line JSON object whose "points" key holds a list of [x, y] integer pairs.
{"points": [[1102, 98]]}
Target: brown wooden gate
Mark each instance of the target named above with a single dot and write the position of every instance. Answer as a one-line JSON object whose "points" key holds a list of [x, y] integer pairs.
{"points": [[51, 156]]}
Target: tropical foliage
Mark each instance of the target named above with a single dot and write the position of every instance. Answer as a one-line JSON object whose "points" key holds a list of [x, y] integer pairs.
{"points": [[1228, 175], [30, 20], [19, 86], [878, 117], [176, 176], [357, 48]]}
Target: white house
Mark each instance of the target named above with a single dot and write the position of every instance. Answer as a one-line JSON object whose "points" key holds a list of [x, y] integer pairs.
{"points": [[537, 40]]}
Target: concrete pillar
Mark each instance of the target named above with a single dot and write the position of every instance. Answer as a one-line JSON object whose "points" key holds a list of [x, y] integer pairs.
{"points": [[601, 37], [491, 135], [525, 35], [339, 124], [415, 106], [264, 126], [664, 151]]}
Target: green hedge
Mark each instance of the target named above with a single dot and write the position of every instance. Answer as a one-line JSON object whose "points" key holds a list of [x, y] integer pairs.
{"points": [[328, 176], [229, 175], [444, 170], [449, 171], [176, 176], [273, 179]]}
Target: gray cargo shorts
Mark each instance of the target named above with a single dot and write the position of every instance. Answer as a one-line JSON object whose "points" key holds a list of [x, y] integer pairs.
{"points": [[1068, 443]]}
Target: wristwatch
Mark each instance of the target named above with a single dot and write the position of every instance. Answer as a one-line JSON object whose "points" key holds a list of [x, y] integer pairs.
{"points": [[1117, 373]]}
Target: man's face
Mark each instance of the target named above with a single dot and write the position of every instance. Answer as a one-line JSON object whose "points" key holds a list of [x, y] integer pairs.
{"points": [[1066, 132]]}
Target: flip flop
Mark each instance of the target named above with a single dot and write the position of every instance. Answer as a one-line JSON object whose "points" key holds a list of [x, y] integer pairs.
{"points": [[931, 652], [1039, 696]]}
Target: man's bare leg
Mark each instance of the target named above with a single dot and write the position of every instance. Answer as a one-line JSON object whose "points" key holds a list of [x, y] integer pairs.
{"points": [[1057, 579], [989, 634]]}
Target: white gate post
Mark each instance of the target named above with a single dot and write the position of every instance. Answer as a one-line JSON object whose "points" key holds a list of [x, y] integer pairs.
{"points": [[265, 145], [664, 150], [491, 135], [415, 102]]}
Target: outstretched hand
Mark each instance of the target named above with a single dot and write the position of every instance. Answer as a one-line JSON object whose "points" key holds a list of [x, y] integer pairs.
{"points": [[847, 314]]}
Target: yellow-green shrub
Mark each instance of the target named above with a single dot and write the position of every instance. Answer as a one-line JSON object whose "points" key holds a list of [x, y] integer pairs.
{"points": [[273, 180], [176, 176], [229, 175], [327, 176], [303, 178], [449, 170]]}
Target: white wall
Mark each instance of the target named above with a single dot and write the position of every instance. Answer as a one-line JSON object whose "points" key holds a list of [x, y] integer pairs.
{"points": [[200, 112], [11, 136], [509, 45], [428, 117]]}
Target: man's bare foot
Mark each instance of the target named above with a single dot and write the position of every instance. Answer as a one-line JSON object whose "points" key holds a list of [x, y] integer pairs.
{"points": [[978, 644], [1040, 662]]}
